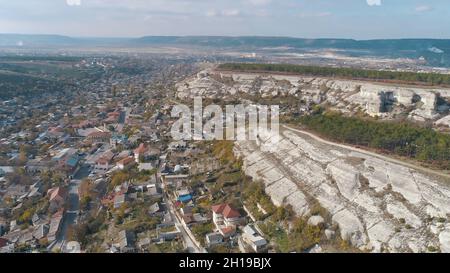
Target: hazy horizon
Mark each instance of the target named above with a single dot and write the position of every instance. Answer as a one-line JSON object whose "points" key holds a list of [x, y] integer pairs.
{"points": [[216, 35], [346, 19]]}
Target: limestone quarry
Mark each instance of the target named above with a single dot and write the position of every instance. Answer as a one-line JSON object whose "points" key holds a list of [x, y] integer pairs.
{"points": [[376, 99], [378, 205]]}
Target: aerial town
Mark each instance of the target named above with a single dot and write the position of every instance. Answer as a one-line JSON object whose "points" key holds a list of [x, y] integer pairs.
{"points": [[98, 172], [94, 168], [139, 126]]}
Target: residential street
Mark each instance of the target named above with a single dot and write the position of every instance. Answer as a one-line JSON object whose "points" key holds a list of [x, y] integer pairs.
{"points": [[190, 245], [71, 215]]}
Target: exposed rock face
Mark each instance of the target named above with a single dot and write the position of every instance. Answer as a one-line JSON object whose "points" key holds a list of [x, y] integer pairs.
{"points": [[316, 220], [445, 121], [379, 205], [343, 95], [444, 239]]}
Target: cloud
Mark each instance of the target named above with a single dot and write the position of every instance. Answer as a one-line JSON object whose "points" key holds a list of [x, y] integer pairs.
{"points": [[73, 2], [423, 8], [211, 13], [259, 2], [231, 12], [224, 13], [319, 14], [374, 2]]}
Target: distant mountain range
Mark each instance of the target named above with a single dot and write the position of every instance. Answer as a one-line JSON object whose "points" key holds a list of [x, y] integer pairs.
{"points": [[25, 40], [437, 52]]}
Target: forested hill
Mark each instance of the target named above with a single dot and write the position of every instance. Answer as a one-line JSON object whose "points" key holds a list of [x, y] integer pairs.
{"points": [[436, 52], [349, 73], [404, 139]]}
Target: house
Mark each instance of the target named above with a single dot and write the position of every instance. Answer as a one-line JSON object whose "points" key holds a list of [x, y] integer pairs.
{"points": [[126, 241], [86, 132], [168, 231], [143, 243], [169, 180], [213, 239], [98, 137], [186, 210], [225, 214], [67, 159], [3, 242], [38, 220], [13, 225], [140, 152], [35, 190], [227, 231], [55, 225], [41, 231], [200, 219], [155, 209], [152, 190], [145, 167], [101, 165], [113, 117], [188, 219], [253, 239], [118, 140], [119, 200], [177, 145], [5, 170], [7, 249], [70, 163], [126, 163], [15, 191], [57, 198], [27, 237], [64, 153], [123, 154], [184, 196], [54, 133], [84, 124]]}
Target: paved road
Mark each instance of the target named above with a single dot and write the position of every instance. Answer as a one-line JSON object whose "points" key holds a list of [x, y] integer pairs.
{"points": [[71, 215], [385, 158], [190, 245]]}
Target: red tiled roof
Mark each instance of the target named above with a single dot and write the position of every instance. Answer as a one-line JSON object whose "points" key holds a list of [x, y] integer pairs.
{"points": [[226, 210], [55, 129], [99, 134], [141, 149], [84, 123], [114, 114], [188, 218], [58, 214], [3, 242], [228, 230], [102, 161], [56, 192], [126, 160], [218, 208]]}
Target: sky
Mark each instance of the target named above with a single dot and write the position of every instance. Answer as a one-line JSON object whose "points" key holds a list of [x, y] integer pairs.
{"points": [[357, 19]]}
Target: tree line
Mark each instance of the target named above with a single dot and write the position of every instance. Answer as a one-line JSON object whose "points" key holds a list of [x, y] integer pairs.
{"points": [[320, 71], [404, 139]]}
